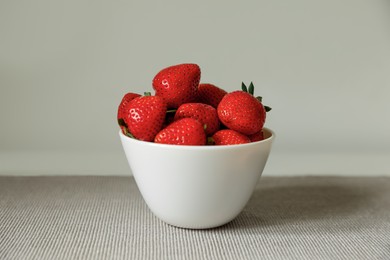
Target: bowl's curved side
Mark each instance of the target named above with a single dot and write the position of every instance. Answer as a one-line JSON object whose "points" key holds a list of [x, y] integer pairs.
{"points": [[196, 188]]}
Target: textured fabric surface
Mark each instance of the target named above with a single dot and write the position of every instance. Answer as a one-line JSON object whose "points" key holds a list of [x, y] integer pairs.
{"points": [[106, 218]]}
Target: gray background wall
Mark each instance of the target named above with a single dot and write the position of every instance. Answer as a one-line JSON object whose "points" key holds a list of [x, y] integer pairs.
{"points": [[324, 67]]}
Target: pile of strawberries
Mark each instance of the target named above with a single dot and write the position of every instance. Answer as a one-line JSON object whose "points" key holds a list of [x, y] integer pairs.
{"points": [[184, 111]]}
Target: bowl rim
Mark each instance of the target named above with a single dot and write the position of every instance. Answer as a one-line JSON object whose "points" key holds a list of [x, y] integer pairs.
{"points": [[200, 147]]}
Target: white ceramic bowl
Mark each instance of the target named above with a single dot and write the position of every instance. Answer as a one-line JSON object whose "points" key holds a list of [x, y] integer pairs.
{"points": [[196, 186]]}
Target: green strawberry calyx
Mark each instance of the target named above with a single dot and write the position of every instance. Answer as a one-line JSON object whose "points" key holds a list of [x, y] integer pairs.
{"points": [[210, 141], [251, 90], [125, 130]]}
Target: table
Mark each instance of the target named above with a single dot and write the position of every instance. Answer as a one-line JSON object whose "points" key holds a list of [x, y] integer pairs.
{"points": [[94, 217]]}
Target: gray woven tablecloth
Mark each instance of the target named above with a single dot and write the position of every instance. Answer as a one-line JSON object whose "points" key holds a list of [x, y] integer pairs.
{"points": [[106, 218]]}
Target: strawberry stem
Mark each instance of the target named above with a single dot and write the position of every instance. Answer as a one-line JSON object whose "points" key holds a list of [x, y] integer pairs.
{"points": [[130, 135], [210, 141], [243, 87], [147, 94], [122, 122], [251, 89], [127, 133]]}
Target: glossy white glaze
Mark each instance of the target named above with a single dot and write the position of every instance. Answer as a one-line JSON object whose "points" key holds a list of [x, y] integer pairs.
{"points": [[196, 186]]}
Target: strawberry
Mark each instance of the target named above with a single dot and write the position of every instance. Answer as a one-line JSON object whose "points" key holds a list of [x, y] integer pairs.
{"points": [[242, 112], [177, 84], [258, 136], [185, 131], [229, 137], [145, 116], [205, 114], [210, 94], [121, 110], [125, 100]]}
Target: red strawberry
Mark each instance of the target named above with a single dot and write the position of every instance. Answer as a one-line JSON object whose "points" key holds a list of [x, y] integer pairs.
{"points": [[210, 94], [185, 131], [229, 137], [125, 100], [177, 84], [145, 116], [242, 112], [122, 112], [205, 114], [257, 136]]}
